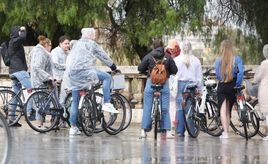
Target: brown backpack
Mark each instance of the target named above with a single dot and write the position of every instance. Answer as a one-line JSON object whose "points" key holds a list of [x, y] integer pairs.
{"points": [[159, 73]]}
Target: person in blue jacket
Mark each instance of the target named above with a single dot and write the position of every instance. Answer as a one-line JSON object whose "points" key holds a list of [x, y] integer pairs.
{"points": [[229, 73]]}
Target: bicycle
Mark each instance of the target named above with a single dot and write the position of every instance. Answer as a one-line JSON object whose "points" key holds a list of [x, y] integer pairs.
{"points": [[156, 108], [5, 140], [48, 110], [244, 120], [91, 104]]}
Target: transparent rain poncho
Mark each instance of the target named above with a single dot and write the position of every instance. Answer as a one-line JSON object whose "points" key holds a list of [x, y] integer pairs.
{"points": [[81, 64], [41, 68], [58, 58]]}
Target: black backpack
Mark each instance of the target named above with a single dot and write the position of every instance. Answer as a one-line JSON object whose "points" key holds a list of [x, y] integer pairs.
{"points": [[4, 53]]}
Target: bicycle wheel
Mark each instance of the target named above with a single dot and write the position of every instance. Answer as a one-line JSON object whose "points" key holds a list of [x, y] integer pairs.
{"points": [[263, 131], [11, 106], [192, 123], [213, 121], [247, 117], [67, 105], [117, 121], [128, 111], [87, 116], [5, 140], [44, 112], [156, 118]]}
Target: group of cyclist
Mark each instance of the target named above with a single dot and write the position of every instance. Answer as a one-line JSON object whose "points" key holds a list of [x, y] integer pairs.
{"points": [[75, 72], [187, 69]]}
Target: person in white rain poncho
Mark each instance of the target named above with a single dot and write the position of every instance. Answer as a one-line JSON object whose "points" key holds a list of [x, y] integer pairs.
{"points": [[41, 69], [81, 73]]}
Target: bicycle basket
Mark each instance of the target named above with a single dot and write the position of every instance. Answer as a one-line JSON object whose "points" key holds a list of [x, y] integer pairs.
{"points": [[251, 89], [118, 81]]}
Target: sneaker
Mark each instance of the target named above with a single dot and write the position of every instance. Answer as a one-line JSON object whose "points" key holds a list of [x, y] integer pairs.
{"points": [[31, 116], [143, 134], [265, 138], [16, 125], [179, 135], [224, 135], [74, 131], [108, 107], [170, 134]]}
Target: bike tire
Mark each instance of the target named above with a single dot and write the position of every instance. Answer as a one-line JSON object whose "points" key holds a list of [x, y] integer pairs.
{"points": [[250, 119], [156, 118], [192, 123], [7, 96], [47, 109], [87, 116], [115, 125], [5, 140], [128, 112], [213, 121]]}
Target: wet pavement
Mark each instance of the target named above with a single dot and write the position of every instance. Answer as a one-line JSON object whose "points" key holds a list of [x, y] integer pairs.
{"points": [[126, 147]]}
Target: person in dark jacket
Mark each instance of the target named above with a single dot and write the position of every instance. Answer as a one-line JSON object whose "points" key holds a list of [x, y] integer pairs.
{"points": [[148, 63], [18, 66]]}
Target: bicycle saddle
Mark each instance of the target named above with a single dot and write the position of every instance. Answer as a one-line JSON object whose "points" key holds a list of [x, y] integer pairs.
{"points": [[157, 87], [239, 88]]}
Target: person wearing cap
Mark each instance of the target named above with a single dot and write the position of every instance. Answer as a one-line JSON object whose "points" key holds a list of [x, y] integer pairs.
{"points": [[189, 70], [173, 49], [261, 77], [81, 73]]}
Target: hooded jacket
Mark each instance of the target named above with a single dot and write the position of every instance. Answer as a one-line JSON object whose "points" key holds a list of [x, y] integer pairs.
{"points": [[16, 50], [158, 53]]}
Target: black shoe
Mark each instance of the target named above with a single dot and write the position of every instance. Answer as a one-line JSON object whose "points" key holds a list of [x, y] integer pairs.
{"points": [[31, 117], [16, 125]]}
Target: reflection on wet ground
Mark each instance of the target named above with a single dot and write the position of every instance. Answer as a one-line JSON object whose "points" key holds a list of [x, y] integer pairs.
{"points": [[126, 147]]}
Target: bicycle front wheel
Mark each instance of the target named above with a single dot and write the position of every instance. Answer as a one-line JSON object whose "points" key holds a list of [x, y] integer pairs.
{"points": [[5, 140], [44, 112], [192, 123], [128, 111]]}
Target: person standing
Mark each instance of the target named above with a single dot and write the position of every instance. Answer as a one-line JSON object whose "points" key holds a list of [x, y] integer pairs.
{"points": [[18, 65], [147, 64], [189, 70], [261, 77], [81, 73], [229, 73]]}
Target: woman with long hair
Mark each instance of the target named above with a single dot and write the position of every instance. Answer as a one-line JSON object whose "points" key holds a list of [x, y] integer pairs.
{"points": [[229, 73]]}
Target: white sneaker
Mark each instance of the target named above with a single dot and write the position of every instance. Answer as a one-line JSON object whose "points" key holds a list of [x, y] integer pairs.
{"points": [[108, 107], [170, 134], [265, 138], [224, 135], [143, 134], [74, 131]]}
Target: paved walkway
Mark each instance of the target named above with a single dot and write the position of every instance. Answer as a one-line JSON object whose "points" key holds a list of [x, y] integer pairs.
{"points": [[126, 147]]}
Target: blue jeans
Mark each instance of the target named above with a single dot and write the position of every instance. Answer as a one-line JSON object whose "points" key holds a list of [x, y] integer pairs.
{"points": [[147, 103], [106, 79], [180, 128], [74, 107], [23, 79]]}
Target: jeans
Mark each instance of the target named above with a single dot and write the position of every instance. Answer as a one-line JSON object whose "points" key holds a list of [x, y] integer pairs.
{"points": [[180, 128], [23, 79], [106, 84], [74, 107], [147, 102]]}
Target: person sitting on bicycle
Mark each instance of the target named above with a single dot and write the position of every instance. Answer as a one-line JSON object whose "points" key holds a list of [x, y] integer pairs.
{"points": [[189, 70], [261, 77], [229, 73], [148, 63], [81, 73]]}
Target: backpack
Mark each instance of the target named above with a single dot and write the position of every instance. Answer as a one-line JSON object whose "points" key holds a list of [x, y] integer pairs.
{"points": [[4, 53], [159, 73]]}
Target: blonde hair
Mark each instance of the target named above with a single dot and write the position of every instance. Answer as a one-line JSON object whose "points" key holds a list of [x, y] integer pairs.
{"points": [[43, 40], [226, 55]]}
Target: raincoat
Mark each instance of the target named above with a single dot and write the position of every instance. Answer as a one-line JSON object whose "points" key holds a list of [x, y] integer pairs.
{"points": [[81, 64], [41, 69], [58, 58]]}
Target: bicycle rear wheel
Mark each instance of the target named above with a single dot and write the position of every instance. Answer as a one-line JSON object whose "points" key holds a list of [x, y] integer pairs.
{"points": [[11, 106], [156, 118], [117, 121], [249, 118], [87, 116], [5, 140], [192, 123], [44, 112]]}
